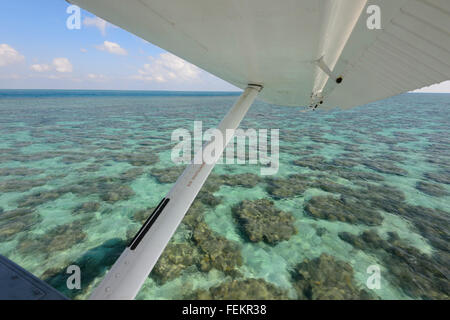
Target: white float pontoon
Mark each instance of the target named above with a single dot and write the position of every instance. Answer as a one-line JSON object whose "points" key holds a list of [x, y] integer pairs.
{"points": [[317, 53]]}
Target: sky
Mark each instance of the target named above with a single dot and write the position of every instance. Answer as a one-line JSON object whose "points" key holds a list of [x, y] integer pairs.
{"points": [[38, 51]]}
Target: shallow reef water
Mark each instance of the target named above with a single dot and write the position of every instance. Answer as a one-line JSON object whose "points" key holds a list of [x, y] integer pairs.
{"points": [[80, 171]]}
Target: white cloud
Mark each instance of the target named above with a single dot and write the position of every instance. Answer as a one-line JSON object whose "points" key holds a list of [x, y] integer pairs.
{"points": [[40, 67], [13, 76], [97, 77], [83, 50], [97, 22], [112, 47], [9, 55], [168, 67], [62, 65], [436, 88], [54, 77]]}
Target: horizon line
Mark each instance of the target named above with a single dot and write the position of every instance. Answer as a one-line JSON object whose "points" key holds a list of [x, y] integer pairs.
{"points": [[161, 90]]}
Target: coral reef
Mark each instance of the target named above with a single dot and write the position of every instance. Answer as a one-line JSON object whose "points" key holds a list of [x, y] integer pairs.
{"points": [[60, 238], [118, 194], [432, 224], [326, 278], [419, 275], [20, 171], [175, 258], [260, 220], [12, 185], [217, 251], [110, 189], [131, 174], [431, 189], [167, 175], [15, 221], [38, 198], [440, 177], [208, 198], [246, 289], [358, 163], [87, 207], [336, 188], [343, 209], [137, 159], [344, 162], [313, 163], [194, 215], [142, 215], [294, 185], [354, 175], [246, 180], [384, 166]]}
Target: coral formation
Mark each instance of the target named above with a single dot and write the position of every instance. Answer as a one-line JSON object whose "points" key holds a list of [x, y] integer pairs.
{"points": [[15, 221], [419, 275], [217, 251], [245, 289], [60, 238], [293, 185], [326, 278], [342, 209], [87, 207], [431, 189], [262, 221], [175, 258]]}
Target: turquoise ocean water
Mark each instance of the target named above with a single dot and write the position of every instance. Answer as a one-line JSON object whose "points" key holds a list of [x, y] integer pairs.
{"points": [[357, 191]]}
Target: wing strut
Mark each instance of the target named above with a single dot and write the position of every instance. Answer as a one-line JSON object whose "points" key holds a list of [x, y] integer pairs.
{"points": [[129, 272]]}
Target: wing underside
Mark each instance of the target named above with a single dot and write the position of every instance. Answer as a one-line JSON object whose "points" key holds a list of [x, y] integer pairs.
{"points": [[277, 43]]}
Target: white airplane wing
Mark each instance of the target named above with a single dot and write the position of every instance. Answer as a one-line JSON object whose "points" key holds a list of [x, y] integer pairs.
{"points": [[319, 53], [276, 43]]}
